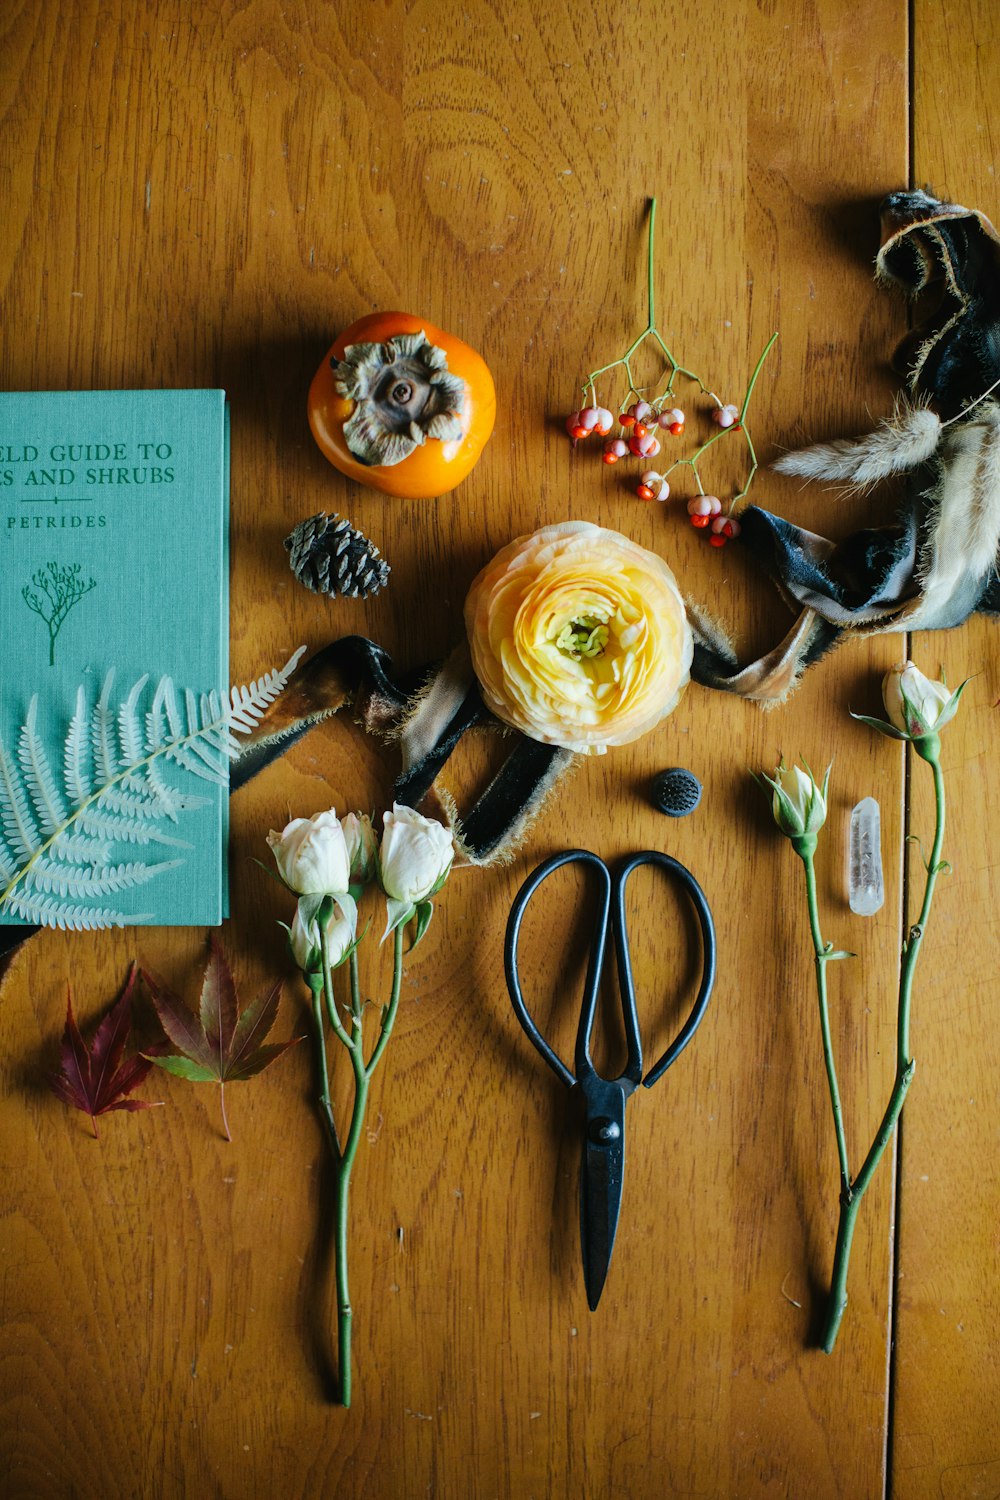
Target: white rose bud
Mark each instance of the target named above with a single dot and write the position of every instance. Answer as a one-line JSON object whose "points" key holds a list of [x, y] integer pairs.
{"points": [[304, 937], [415, 858], [914, 705], [802, 807], [311, 854], [362, 847], [798, 805], [303, 940]]}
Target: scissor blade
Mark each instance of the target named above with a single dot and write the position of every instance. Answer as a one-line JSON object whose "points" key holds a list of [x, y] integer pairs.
{"points": [[601, 1195]]}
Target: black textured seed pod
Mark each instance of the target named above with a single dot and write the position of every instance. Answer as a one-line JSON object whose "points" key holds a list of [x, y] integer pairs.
{"points": [[330, 557], [676, 792]]}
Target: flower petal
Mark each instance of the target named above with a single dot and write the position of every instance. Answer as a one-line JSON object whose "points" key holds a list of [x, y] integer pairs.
{"points": [[579, 637]]}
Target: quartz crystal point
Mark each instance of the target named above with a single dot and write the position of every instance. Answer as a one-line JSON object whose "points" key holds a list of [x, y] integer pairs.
{"points": [[865, 886]]}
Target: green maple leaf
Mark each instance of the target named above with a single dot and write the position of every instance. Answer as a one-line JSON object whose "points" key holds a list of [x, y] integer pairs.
{"points": [[222, 1044]]}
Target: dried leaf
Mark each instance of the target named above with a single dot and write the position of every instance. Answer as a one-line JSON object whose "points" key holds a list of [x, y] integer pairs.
{"points": [[97, 1078], [222, 1044]]}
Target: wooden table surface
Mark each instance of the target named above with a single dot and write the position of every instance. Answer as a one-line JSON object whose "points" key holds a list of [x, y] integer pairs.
{"points": [[203, 194]]}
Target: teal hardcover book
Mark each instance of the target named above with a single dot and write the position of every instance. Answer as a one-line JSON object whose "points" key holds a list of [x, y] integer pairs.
{"points": [[114, 510]]}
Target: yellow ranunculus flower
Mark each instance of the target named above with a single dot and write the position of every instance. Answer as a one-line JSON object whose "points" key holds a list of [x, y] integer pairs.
{"points": [[578, 637]]}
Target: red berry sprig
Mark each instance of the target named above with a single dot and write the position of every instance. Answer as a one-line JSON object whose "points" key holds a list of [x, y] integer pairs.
{"points": [[706, 510], [596, 419], [723, 529], [706, 515], [643, 424], [703, 510], [653, 486]]}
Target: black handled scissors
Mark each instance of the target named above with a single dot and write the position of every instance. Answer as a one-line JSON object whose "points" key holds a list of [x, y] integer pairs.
{"points": [[603, 1163]]}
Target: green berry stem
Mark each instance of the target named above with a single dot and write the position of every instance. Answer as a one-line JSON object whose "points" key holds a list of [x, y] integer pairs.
{"points": [[692, 462], [650, 331], [650, 254], [743, 422], [756, 372]]}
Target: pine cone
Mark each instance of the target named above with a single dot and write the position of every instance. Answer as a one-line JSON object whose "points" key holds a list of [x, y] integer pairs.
{"points": [[330, 557]]}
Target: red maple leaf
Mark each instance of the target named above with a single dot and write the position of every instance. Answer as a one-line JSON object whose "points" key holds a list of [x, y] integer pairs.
{"points": [[95, 1079], [222, 1044]]}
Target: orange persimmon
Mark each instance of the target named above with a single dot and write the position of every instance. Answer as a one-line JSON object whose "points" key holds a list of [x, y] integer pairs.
{"points": [[402, 406]]}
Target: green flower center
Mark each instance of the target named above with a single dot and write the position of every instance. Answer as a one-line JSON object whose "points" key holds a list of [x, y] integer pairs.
{"points": [[584, 638]]}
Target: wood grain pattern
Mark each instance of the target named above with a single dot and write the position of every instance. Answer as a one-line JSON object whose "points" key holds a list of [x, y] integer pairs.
{"points": [[204, 194], [946, 1376]]}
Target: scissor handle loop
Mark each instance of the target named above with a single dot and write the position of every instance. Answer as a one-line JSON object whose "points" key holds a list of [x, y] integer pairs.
{"points": [[681, 873], [594, 965]]}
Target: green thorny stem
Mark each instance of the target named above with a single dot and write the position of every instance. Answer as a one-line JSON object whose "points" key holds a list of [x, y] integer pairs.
{"points": [[658, 402], [852, 1190], [321, 986]]}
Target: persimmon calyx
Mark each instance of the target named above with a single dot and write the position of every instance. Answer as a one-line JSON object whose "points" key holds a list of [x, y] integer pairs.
{"points": [[403, 394]]}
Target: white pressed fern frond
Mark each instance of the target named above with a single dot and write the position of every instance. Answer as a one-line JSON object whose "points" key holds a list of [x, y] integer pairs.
{"points": [[136, 800], [56, 840], [76, 770], [38, 775], [80, 849], [102, 732], [19, 831], [119, 828], [73, 880], [129, 728], [247, 704], [50, 911]]}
